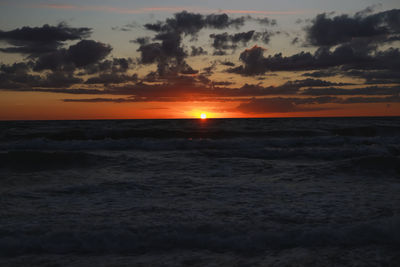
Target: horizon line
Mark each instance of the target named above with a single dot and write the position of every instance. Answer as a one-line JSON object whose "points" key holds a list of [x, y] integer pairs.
{"points": [[216, 118]]}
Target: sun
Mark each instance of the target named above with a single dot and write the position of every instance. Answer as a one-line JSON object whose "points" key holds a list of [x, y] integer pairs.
{"points": [[203, 116]]}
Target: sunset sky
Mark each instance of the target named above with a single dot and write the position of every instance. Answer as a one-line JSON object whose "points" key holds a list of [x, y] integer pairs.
{"points": [[125, 59]]}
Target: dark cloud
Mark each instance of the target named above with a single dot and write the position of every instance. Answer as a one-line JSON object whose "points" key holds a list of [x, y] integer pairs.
{"points": [[152, 99], [37, 40], [141, 41], [18, 76], [210, 69], [150, 53], [112, 78], [368, 10], [322, 73], [225, 41], [127, 27], [373, 90], [370, 76], [197, 88], [58, 80], [227, 63], [265, 21], [346, 56], [103, 100], [219, 53], [62, 64], [376, 76], [116, 65], [168, 52], [191, 23], [254, 62], [82, 54], [273, 105], [198, 51], [201, 86], [186, 69], [258, 90], [329, 31], [87, 52], [299, 21], [229, 41], [295, 40], [221, 21], [254, 105], [313, 83], [286, 105], [288, 88], [59, 68], [366, 100], [221, 41], [15, 68], [224, 83]]}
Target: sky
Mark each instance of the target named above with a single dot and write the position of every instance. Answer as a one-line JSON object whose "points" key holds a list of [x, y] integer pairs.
{"points": [[125, 59]]}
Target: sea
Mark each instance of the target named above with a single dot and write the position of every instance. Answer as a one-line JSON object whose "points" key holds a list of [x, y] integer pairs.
{"points": [[192, 192]]}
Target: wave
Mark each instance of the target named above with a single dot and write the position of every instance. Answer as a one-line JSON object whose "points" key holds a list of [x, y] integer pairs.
{"points": [[39, 160], [118, 134], [195, 129], [372, 165], [383, 143], [202, 133], [215, 238]]}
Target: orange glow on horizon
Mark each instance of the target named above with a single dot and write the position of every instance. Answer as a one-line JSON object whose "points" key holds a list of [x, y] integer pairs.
{"points": [[44, 106]]}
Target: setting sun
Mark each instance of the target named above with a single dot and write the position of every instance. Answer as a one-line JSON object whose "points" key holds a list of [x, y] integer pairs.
{"points": [[203, 116]]}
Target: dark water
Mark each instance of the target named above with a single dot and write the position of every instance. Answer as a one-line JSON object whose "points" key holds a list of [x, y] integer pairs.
{"points": [[255, 192]]}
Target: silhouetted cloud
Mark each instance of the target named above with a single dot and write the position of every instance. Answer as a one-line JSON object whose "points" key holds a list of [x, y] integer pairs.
{"points": [[313, 83], [168, 52], [127, 27], [376, 76], [82, 54], [112, 78], [191, 23], [87, 52], [373, 90], [38, 40], [370, 76], [322, 73], [54, 65], [227, 63], [274, 105], [198, 51], [365, 100], [58, 80], [225, 41], [329, 31], [347, 56], [116, 65], [290, 104], [141, 40], [265, 21]]}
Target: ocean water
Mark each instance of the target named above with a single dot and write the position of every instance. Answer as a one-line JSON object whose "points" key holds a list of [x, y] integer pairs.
{"points": [[215, 192]]}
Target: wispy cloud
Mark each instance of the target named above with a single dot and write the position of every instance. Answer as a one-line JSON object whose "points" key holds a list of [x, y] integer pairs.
{"points": [[119, 10], [144, 10], [262, 12]]}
